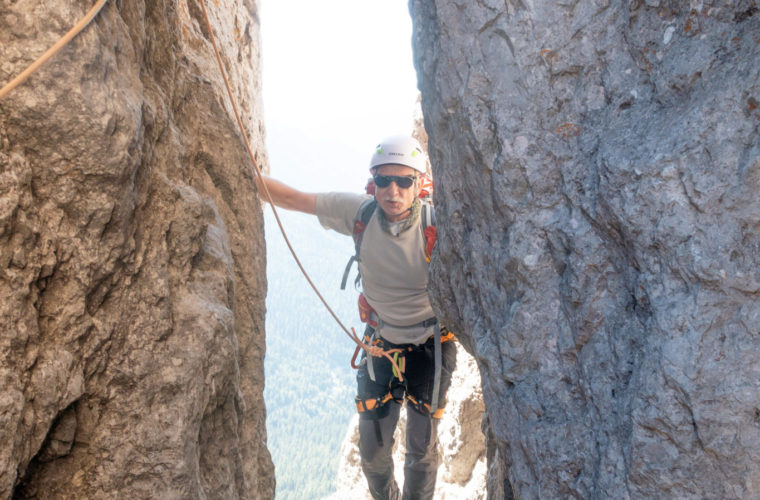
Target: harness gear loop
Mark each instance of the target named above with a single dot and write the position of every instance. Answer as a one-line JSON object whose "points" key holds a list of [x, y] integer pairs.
{"points": [[353, 358], [396, 374], [376, 351]]}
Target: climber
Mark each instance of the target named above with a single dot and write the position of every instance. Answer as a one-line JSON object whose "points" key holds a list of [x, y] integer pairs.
{"points": [[394, 303]]}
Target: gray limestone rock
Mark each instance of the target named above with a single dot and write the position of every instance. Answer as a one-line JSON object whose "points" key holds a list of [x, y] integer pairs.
{"points": [[597, 168], [131, 256]]}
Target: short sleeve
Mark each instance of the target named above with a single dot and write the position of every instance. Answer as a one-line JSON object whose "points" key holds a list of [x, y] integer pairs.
{"points": [[337, 211]]}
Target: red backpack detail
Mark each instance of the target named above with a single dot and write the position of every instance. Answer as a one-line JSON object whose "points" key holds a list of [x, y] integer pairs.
{"points": [[366, 313], [370, 187], [426, 189], [431, 235]]}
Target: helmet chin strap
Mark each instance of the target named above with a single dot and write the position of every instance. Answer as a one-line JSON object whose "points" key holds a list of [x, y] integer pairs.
{"points": [[411, 207]]}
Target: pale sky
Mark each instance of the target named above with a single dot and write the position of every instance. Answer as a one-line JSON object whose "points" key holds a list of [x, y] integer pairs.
{"points": [[337, 77]]}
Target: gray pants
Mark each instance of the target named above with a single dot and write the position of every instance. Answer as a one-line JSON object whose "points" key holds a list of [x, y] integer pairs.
{"points": [[420, 465]]}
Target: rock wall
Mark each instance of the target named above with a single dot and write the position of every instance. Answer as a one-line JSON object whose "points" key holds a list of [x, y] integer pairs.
{"points": [[597, 168], [131, 256]]}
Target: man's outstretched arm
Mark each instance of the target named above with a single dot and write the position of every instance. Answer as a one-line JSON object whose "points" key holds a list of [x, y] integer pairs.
{"points": [[286, 197]]}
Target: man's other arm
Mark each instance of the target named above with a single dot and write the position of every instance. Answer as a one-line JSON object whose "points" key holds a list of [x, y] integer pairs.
{"points": [[286, 197]]}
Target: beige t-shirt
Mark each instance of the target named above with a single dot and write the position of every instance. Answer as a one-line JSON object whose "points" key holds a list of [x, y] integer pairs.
{"points": [[393, 268]]}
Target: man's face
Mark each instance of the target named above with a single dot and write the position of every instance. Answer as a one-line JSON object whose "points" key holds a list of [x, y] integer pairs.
{"points": [[396, 201]]}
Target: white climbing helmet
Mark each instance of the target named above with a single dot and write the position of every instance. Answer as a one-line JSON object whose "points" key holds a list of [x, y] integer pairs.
{"points": [[399, 150]]}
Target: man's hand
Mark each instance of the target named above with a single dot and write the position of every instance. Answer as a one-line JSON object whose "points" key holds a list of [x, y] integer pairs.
{"points": [[286, 197]]}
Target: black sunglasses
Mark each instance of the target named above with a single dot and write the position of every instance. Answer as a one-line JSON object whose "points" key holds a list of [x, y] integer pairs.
{"points": [[383, 181]]}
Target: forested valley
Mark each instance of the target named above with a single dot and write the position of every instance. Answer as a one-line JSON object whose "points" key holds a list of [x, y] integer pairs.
{"points": [[309, 382]]}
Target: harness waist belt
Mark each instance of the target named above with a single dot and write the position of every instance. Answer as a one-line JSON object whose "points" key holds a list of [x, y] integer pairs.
{"points": [[425, 324]]}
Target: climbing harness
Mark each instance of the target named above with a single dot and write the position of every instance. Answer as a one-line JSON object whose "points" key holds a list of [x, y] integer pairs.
{"points": [[368, 315], [54, 49], [397, 381]]}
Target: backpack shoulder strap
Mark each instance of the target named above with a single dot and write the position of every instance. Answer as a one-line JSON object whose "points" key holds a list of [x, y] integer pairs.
{"points": [[363, 215], [428, 215]]}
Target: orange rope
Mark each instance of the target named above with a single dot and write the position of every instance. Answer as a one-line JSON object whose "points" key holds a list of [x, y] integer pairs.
{"points": [[371, 350], [54, 49]]}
